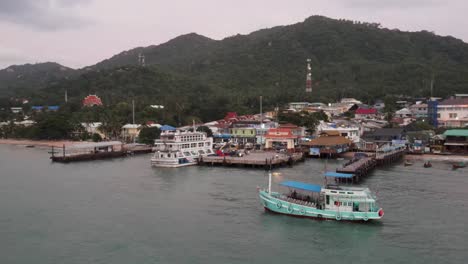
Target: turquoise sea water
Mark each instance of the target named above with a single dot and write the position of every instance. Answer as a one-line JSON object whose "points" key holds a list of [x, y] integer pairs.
{"points": [[124, 211]]}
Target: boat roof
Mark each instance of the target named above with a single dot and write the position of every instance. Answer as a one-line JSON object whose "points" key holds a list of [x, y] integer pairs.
{"points": [[303, 186], [338, 175]]}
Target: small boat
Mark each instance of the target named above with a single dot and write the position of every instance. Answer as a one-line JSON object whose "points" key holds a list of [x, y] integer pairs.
{"points": [[30, 146], [427, 164], [329, 202], [408, 163], [458, 165]]}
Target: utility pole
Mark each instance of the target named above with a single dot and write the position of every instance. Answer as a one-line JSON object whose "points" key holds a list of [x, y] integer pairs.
{"points": [[133, 111], [261, 121]]}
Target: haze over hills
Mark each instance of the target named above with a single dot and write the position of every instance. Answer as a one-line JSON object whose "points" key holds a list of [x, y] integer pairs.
{"points": [[360, 60]]}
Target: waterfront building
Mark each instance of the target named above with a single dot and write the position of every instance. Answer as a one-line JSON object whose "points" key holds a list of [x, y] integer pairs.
{"points": [[453, 112], [329, 144], [280, 138], [385, 135], [456, 141], [243, 135], [130, 132]]}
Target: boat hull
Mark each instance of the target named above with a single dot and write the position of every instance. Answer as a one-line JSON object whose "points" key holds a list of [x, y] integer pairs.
{"points": [[275, 204]]}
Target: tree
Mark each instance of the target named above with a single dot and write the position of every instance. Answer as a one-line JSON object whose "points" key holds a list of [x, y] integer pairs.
{"points": [[96, 137], [148, 135], [205, 129]]}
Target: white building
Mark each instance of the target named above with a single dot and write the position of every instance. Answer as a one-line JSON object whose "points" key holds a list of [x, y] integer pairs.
{"points": [[403, 113], [349, 131], [419, 110], [93, 128], [453, 112]]}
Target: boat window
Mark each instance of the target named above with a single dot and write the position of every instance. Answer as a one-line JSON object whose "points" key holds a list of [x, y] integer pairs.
{"points": [[193, 145], [350, 193], [201, 151], [193, 153], [328, 199], [187, 153], [208, 151], [207, 144], [333, 191], [200, 144], [343, 192]]}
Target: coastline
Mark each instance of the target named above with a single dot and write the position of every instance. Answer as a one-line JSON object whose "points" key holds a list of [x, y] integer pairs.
{"points": [[38, 143]]}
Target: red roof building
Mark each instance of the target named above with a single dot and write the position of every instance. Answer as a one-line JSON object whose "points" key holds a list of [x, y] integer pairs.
{"points": [[92, 100], [366, 111], [280, 137]]}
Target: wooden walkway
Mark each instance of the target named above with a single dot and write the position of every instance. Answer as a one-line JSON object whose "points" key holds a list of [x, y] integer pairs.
{"points": [[260, 159], [363, 166]]}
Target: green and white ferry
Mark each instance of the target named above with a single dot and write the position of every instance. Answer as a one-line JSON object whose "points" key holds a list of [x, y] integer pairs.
{"points": [[329, 202]]}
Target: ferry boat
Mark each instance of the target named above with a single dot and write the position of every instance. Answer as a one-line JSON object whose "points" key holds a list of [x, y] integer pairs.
{"points": [[329, 202], [180, 148]]}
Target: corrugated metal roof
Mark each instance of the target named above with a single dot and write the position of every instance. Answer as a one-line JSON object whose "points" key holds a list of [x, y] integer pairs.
{"points": [[456, 133]]}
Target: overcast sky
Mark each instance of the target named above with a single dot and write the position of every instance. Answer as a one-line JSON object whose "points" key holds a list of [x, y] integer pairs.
{"points": [[77, 33]]}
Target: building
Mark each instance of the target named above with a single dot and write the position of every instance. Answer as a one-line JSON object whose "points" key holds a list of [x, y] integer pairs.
{"points": [[93, 128], [365, 113], [419, 110], [243, 135], [453, 112], [456, 141], [404, 113], [346, 130], [298, 106], [280, 138], [130, 132], [328, 144], [92, 100], [350, 101], [16, 110], [385, 135], [432, 106]]}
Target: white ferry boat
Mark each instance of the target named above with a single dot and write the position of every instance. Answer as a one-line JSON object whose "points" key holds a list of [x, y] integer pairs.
{"points": [[181, 148]]}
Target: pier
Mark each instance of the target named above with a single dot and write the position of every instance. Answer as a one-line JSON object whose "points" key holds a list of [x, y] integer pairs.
{"points": [[260, 159], [361, 167]]}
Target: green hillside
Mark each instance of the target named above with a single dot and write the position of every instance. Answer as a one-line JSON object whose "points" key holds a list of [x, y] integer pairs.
{"points": [[195, 76]]}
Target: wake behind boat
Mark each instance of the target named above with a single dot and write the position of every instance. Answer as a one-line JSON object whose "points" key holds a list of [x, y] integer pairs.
{"points": [[328, 202]]}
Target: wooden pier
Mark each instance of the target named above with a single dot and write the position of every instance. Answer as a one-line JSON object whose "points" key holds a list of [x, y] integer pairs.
{"points": [[257, 159], [363, 166]]}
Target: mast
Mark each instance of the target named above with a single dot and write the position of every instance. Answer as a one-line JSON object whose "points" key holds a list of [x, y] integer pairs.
{"points": [[269, 182]]}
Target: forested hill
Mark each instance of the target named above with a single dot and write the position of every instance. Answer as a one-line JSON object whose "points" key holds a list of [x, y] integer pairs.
{"points": [[22, 79], [349, 59]]}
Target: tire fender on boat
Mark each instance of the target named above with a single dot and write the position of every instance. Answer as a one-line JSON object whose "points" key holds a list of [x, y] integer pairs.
{"points": [[278, 205], [365, 218], [351, 216], [290, 209], [303, 211], [338, 217]]}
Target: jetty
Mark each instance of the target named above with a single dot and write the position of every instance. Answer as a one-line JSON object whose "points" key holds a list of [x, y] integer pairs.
{"points": [[96, 151], [364, 163], [255, 159]]}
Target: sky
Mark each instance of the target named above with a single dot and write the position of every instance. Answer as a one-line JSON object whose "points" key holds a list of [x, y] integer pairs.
{"points": [[78, 33]]}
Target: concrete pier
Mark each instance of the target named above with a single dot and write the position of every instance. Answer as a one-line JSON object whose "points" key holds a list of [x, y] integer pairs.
{"points": [[257, 159]]}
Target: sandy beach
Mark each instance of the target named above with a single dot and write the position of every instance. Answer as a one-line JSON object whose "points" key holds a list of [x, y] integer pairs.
{"points": [[39, 143]]}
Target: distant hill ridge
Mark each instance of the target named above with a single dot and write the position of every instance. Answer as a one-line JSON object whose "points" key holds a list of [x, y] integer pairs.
{"points": [[348, 59]]}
